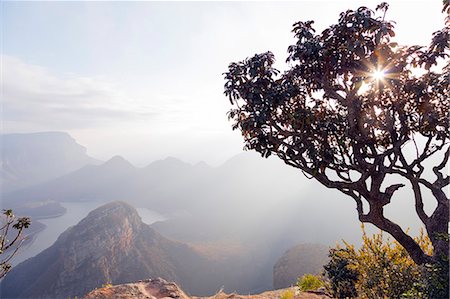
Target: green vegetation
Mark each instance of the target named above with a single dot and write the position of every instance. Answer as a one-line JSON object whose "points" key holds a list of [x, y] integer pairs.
{"points": [[10, 238], [288, 294], [309, 282], [379, 269]]}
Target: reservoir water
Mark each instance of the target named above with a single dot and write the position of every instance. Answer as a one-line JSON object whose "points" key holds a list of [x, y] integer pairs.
{"points": [[55, 226]]}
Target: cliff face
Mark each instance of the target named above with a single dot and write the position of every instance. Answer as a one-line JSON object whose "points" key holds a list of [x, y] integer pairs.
{"points": [[110, 245], [297, 261]]}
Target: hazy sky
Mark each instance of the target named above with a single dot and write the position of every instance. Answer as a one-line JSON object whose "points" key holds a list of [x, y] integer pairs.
{"points": [[144, 79]]}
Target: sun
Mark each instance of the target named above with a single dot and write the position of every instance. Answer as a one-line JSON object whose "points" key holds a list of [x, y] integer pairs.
{"points": [[378, 74]]}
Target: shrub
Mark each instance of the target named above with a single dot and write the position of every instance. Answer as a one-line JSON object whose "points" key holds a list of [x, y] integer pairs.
{"points": [[379, 269], [433, 282], [288, 294], [309, 282]]}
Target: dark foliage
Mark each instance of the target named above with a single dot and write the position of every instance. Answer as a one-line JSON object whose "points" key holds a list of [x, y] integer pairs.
{"points": [[342, 278]]}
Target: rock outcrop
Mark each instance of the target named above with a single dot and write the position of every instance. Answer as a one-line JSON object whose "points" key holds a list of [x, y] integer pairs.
{"points": [[159, 288], [145, 289]]}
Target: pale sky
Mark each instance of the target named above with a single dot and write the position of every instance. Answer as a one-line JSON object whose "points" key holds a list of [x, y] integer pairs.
{"points": [[144, 79]]}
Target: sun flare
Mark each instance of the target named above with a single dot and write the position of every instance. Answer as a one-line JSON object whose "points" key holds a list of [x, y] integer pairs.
{"points": [[378, 75]]}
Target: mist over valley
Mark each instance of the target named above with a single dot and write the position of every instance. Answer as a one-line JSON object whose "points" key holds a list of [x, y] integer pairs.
{"points": [[243, 214]]}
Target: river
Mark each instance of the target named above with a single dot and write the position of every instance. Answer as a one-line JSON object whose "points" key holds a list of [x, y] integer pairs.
{"points": [[55, 226]]}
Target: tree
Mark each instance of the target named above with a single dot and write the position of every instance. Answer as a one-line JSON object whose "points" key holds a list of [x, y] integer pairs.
{"points": [[10, 241], [346, 112]]}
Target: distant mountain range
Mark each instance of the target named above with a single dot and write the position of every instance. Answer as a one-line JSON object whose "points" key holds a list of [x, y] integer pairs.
{"points": [[161, 185], [30, 159]]}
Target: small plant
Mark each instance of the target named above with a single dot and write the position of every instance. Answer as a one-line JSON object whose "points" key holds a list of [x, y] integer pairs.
{"points": [[288, 294], [11, 229], [107, 285], [309, 282]]}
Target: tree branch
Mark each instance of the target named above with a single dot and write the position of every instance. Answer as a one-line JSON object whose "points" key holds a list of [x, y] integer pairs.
{"points": [[376, 217], [437, 169]]}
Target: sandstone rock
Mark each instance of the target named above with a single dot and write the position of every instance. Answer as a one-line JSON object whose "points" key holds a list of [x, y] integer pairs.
{"points": [[145, 289]]}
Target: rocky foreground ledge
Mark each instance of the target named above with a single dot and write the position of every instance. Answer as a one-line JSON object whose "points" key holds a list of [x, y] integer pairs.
{"points": [[159, 288]]}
